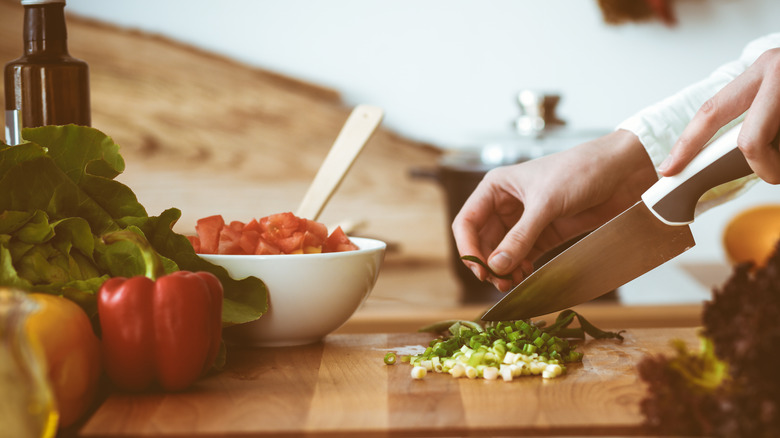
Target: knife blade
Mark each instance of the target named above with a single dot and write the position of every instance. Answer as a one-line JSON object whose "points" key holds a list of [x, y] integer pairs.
{"points": [[646, 235]]}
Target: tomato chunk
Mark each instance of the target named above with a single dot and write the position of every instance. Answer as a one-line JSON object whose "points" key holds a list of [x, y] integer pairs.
{"points": [[237, 225], [195, 241], [292, 244], [314, 235], [279, 226], [265, 248], [208, 230], [338, 241], [253, 225], [248, 241], [229, 241]]}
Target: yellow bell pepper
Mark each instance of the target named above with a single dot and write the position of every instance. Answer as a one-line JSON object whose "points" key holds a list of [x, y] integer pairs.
{"points": [[72, 353]]}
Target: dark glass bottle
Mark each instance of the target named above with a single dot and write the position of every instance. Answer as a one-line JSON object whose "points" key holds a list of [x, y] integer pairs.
{"points": [[46, 86]]}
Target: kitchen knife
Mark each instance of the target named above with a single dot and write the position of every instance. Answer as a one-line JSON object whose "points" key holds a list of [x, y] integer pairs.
{"points": [[650, 233]]}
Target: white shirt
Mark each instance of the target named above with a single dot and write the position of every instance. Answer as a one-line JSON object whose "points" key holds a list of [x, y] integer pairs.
{"points": [[658, 126]]}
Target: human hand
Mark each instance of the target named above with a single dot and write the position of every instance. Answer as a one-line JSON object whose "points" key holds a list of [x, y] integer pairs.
{"points": [[756, 91], [517, 213]]}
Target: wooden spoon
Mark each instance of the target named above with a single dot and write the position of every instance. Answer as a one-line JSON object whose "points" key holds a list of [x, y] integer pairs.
{"points": [[353, 136]]}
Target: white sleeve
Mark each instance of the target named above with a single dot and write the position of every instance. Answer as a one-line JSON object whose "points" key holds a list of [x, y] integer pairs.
{"points": [[658, 126]]}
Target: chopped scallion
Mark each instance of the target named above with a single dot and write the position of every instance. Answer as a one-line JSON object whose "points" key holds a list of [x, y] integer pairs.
{"points": [[506, 349]]}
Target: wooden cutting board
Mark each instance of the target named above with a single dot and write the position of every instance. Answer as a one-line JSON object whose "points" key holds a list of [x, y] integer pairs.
{"points": [[341, 387]]}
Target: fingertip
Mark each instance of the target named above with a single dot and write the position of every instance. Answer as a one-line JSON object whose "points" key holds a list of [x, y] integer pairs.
{"points": [[664, 166], [500, 263], [476, 271], [501, 285]]}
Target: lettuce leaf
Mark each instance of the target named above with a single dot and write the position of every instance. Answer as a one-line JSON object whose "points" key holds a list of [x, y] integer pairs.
{"points": [[58, 195]]}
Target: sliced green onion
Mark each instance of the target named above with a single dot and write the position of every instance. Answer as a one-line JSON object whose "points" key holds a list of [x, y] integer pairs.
{"points": [[509, 349]]}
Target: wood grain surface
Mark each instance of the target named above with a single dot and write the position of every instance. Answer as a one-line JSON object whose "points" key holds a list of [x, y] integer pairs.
{"points": [[341, 387]]}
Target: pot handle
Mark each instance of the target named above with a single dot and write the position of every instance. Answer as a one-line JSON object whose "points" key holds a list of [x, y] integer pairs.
{"points": [[425, 173]]}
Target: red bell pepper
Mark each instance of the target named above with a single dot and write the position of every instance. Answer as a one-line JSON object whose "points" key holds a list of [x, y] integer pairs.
{"points": [[163, 329]]}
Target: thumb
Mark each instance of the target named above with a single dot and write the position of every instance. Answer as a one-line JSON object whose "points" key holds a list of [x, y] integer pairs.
{"points": [[516, 245]]}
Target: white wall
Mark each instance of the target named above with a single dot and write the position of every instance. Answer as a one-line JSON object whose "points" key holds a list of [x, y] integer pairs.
{"points": [[447, 71]]}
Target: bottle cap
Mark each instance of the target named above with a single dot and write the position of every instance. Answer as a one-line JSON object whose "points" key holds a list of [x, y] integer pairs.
{"points": [[40, 2]]}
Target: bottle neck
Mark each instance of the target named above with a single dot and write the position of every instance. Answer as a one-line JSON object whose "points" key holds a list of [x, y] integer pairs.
{"points": [[44, 30]]}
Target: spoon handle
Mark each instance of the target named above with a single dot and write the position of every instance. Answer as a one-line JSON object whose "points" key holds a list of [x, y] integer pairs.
{"points": [[357, 130]]}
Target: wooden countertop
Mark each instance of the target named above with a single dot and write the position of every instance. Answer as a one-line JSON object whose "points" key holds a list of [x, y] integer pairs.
{"points": [[341, 387]]}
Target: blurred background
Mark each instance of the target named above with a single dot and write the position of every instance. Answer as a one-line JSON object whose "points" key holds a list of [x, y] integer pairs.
{"points": [[447, 73]]}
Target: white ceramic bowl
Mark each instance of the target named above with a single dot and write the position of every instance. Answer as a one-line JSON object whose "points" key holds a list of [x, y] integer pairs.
{"points": [[309, 295]]}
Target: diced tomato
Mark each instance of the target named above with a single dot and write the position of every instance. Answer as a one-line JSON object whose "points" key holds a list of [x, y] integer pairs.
{"points": [[252, 225], [229, 241], [208, 230], [338, 241], [279, 226], [248, 241], [195, 241], [292, 244], [312, 242], [265, 248], [237, 225], [315, 233], [282, 233]]}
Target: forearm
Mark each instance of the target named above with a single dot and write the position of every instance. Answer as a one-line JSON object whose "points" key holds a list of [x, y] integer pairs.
{"points": [[626, 161]]}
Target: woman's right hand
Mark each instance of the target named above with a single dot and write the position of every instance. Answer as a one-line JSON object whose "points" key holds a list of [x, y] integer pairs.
{"points": [[519, 212], [756, 91]]}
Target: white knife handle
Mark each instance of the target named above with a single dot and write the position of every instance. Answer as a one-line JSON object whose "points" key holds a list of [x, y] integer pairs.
{"points": [[673, 199]]}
